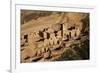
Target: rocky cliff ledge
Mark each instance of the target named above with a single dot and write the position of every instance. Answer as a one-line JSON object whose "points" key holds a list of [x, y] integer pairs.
{"points": [[54, 36]]}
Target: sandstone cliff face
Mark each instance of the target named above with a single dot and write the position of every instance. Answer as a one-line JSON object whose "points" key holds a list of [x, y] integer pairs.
{"points": [[54, 36]]}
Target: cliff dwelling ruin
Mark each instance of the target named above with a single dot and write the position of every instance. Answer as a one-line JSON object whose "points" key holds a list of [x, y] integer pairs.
{"points": [[53, 36]]}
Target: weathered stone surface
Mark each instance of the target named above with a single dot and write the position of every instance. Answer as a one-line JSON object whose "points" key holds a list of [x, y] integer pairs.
{"points": [[46, 55]]}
